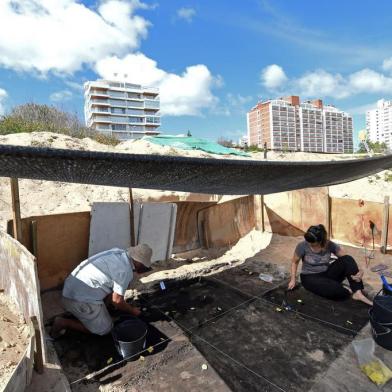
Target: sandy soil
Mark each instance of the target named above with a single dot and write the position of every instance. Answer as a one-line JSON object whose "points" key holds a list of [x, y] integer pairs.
{"points": [[13, 339], [246, 247], [44, 197]]}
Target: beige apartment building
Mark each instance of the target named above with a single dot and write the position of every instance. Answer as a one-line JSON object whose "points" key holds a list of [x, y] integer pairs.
{"points": [[288, 124]]}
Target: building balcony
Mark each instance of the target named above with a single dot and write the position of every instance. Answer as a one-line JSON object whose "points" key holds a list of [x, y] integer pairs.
{"points": [[97, 101], [101, 119], [152, 104]]}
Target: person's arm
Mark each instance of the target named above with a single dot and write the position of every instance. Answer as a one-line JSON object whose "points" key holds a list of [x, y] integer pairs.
{"points": [[294, 266], [119, 302]]}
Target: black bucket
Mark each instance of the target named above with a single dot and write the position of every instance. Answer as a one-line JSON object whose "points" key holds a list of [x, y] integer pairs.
{"points": [[382, 309], [386, 291], [382, 332], [129, 337]]}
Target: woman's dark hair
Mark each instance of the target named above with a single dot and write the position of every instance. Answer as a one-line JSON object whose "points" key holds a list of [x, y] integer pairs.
{"points": [[316, 234]]}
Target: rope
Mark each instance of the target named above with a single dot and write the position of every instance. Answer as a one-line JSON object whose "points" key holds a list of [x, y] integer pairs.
{"points": [[291, 310], [189, 330]]}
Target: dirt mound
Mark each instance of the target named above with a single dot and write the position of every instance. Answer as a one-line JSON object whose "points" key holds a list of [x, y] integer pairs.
{"points": [[14, 335]]}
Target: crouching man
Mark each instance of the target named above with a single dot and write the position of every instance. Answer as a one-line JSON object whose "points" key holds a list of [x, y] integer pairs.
{"points": [[105, 275]]}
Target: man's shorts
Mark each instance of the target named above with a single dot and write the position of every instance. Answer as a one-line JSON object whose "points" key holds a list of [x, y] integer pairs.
{"points": [[95, 317]]}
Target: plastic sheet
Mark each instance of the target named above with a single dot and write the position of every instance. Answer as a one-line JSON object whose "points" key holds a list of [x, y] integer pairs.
{"points": [[373, 367]]}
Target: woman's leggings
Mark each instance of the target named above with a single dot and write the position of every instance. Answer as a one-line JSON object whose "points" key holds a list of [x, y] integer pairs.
{"points": [[328, 284]]}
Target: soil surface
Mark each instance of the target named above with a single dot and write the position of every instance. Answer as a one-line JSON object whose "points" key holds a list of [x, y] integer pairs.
{"points": [[232, 319], [13, 339]]}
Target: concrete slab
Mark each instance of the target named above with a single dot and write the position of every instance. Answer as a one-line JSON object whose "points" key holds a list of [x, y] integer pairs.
{"points": [[155, 224], [110, 227]]}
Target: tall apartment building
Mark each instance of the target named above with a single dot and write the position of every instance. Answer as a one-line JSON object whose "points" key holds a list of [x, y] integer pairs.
{"points": [[123, 110], [288, 124], [379, 123]]}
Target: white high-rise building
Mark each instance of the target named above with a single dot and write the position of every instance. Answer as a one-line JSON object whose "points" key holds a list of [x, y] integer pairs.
{"points": [[379, 123], [120, 109]]}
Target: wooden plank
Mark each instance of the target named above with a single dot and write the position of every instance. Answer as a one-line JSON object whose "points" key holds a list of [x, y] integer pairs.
{"points": [[259, 212], [16, 208], [19, 377], [328, 214], [62, 243], [30, 352], [385, 223], [132, 219], [19, 279], [33, 232], [38, 354]]}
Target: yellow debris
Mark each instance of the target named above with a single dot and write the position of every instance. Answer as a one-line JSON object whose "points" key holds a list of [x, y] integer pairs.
{"points": [[150, 349], [141, 358], [278, 309], [377, 372], [109, 361]]}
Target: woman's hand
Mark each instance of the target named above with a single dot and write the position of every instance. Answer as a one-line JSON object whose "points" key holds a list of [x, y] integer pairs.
{"points": [[292, 284], [358, 277]]}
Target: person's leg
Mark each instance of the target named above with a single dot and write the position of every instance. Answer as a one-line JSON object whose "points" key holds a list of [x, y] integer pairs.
{"points": [[61, 324], [323, 286], [346, 267], [91, 318]]}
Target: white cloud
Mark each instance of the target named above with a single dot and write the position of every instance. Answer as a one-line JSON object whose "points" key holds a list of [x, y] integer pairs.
{"points": [[181, 94], [63, 35], [74, 86], [3, 96], [61, 96], [362, 109], [273, 77], [186, 13], [387, 65], [320, 83]]}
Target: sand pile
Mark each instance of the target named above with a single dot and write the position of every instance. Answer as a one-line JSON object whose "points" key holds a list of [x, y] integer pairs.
{"points": [[245, 248], [13, 339], [44, 197]]}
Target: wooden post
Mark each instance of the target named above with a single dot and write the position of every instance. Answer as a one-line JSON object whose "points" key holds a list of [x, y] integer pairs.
{"points": [[328, 225], [33, 231], [385, 221], [17, 224], [133, 238], [38, 358], [258, 204]]}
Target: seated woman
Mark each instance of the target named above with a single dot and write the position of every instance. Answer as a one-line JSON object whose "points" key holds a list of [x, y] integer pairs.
{"points": [[322, 275]]}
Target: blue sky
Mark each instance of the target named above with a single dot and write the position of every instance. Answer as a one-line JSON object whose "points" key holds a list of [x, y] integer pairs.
{"points": [[212, 59]]}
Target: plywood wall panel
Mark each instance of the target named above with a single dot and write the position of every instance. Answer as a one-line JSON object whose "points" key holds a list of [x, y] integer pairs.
{"points": [[291, 213], [62, 243], [351, 221], [225, 223], [186, 234]]}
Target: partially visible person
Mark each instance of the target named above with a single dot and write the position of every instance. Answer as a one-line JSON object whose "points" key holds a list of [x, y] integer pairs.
{"points": [[323, 275], [104, 276]]}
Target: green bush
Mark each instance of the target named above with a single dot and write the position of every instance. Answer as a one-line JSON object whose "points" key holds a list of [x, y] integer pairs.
{"points": [[32, 117]]}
